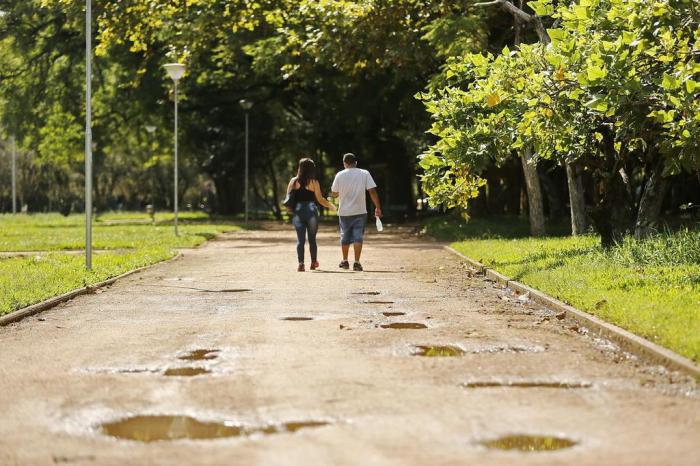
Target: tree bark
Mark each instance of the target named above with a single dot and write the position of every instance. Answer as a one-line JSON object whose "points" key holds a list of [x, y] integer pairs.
{"points": [[534, 194], [651, 203], [577, 200]]}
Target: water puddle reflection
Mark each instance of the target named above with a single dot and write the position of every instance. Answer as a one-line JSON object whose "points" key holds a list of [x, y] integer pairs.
{"points": [[200, 355], [438, 351], [529, 443], [405, 326], [158, 428]]}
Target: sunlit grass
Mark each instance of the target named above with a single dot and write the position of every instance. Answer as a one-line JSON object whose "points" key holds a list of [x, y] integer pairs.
{"points": [[651, 287], [130, 239]]}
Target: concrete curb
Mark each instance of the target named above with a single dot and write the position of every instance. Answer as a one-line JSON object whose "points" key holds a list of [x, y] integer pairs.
{"points": [[34, 309], [627, 340]]}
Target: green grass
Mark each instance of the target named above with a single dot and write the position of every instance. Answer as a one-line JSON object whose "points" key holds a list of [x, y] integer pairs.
{"points": [[130, 239], [651, 288]]}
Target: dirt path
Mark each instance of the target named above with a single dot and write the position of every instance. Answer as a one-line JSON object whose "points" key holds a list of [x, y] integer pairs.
{"points": [[100, 358]]}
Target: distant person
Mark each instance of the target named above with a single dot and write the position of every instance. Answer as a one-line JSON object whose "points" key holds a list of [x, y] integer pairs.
{"points": [[307, 192], [350, 187]]}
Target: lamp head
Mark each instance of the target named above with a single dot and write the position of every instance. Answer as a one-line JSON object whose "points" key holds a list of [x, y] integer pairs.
{"points": [[175, 71], [150, 128], [246, 104]]}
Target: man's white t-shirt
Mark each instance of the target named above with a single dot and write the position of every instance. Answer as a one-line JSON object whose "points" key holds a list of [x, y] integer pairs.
{"points": [[352, 184]]}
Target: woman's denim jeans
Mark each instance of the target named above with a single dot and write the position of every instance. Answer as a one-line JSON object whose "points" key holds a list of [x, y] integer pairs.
{"points": [[305, 222]]}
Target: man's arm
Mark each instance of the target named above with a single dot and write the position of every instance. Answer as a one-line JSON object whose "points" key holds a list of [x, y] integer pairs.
{"points": [[375, 199]]}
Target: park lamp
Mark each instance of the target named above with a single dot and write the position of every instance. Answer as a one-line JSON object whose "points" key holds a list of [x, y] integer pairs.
{"points": [[150, 129], [246, 104], [175, 70]]}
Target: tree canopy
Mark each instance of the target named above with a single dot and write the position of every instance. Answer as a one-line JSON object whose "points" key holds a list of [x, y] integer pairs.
{"points": [[607, 88]]}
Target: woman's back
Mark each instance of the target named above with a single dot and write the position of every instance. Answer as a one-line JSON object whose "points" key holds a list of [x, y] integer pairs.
{"points": [[305, 193]]}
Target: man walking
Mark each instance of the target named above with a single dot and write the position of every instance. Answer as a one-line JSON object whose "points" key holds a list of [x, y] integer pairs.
{"points": [[350, 187]]}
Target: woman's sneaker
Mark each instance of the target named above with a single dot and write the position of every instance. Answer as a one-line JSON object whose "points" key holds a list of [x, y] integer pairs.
{"points": [[357, 267], [344, 265], [301, 268], [315, 265]]}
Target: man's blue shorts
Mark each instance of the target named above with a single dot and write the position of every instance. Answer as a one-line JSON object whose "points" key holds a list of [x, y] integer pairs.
{"points": [[352, 228]]}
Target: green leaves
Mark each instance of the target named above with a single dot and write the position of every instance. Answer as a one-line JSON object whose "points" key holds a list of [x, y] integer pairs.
{"points": [[669, 82], [619, 74]]}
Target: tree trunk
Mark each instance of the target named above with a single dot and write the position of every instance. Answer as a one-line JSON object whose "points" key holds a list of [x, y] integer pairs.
{"points": [[651, 203], [555, 206], [613, 217], [534, 194], [577, 200]]}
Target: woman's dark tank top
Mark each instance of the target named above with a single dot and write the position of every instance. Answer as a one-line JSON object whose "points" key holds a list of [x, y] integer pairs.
{"points": [[304, 195]]}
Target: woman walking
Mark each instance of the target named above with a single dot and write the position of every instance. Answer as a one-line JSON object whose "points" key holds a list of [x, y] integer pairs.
{"points": [[307, 192]]}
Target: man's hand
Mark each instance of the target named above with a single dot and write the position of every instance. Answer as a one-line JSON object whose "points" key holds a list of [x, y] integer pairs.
{"points": [[378, 212]]}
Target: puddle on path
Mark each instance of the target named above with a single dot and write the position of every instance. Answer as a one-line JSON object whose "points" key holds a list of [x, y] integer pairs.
{"points": [[186, 371], [393, 314], [405, 326], [235, 290], [525, 384], [156, 428], [291, 427], [297, 319], [528, 443], [439, 351], [200, 355]]}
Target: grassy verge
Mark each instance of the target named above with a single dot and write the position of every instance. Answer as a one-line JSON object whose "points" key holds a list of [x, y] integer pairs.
{"points": [[651, 288], [129, 239]]}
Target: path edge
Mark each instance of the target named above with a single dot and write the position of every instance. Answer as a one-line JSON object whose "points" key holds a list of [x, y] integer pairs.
{"points": [[34, 309], [627, 340]]}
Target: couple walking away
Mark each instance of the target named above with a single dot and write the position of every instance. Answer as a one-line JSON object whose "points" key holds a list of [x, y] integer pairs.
{"points": [[349, 187]]}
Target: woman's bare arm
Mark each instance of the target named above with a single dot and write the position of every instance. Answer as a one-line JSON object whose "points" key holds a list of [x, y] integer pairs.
{"points": [[319, 196]]}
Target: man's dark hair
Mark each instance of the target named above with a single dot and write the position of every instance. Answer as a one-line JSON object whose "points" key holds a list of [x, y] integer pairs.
{"points": [[350, 159]]}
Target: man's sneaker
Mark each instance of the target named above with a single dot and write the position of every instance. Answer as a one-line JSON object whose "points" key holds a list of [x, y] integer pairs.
{"points": [[357, 267], [301, 268], [344, 265], [315, 265]]}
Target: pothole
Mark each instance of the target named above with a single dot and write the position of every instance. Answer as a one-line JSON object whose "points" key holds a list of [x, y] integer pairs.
{"points": [[393, 314], [135, 371], [439, 351], [154, 428], [291, 427], [529, 443], [297, 319], [200, 355], [510, 349], [234, 290], [186, 371], [159, 428], [405, 326], [379, 302], [525, 384]]}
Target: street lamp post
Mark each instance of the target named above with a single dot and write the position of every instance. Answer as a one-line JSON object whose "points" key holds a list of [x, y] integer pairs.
{"points": [[175, 71], [88, 134], [14, 176], [246, 105], [150, 129]]}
